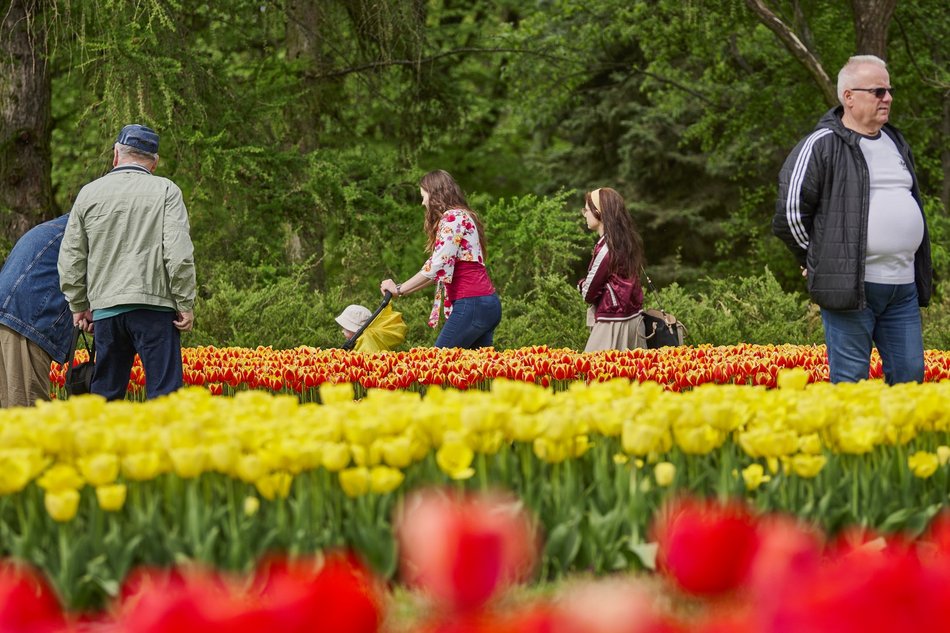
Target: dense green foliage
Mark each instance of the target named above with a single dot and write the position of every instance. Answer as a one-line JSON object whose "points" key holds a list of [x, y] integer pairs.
{"points": [[298, 132]]}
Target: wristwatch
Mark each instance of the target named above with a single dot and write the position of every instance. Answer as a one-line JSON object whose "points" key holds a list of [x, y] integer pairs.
{"points": [[398, 290]]}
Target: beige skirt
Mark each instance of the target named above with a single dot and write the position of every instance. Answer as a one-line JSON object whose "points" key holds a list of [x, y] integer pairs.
{"points": [[619, 335]]}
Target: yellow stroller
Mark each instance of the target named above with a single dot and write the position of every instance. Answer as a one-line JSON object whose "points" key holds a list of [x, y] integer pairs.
{"points": [[383, 330]]}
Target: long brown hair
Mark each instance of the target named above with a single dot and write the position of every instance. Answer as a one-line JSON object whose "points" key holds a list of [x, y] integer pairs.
{"points": [[445, 194], [623, 240]]}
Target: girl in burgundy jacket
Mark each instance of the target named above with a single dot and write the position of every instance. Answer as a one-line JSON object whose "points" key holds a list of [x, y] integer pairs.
{"points": [[612, 285]]}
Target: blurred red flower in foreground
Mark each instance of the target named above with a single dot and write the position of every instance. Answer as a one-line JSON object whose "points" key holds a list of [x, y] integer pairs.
{"points": [[610, 605], [706, 547], [288, 596], [867, 591], [463, 550], [27, 604]]}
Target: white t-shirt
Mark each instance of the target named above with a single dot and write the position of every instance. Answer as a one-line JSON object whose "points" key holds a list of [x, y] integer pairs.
{"points": [[895, 220]]}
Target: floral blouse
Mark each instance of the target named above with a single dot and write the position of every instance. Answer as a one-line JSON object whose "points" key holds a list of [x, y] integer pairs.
{"points": [[456, 241]]}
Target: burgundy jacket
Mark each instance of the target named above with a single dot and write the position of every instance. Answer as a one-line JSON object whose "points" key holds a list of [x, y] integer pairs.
{"points": [[614, 298]]}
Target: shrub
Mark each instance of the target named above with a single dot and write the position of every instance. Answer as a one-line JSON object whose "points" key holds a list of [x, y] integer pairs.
{"points": [[732, 310], [551, 313]]}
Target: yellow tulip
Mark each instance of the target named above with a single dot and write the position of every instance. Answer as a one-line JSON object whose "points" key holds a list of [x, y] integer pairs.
{"points": [[188, 462], [355, 481], [276, 485], [111, 498], [100, 469], [754, 476], [366, 455], [643, 439], [336, 393], [95, 439], [61, 477], [698, 440], [808, 466], [224, 456], [62, 504], [250, 468], [943, 454], [396, 451], [551, 451], [793, 379], [455, 459], [142, 466], [858, 436], [767, 441], [810, 444], [923, 464], [664, 473], [336, 456], [384, 479], [251, 505], [620, 459], [14, 474]]}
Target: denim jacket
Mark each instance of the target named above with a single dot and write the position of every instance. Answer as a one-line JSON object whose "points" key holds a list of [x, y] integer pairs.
{"points": [[31, 302]]}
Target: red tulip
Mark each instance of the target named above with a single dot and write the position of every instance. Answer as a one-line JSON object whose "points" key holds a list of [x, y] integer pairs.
{"points": [[27, 604], [865, 592], [464, 550], [707, 548], [300, 596]]}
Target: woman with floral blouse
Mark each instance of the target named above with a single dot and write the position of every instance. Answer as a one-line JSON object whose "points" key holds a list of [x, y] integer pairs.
{"points": [[456, 241]]}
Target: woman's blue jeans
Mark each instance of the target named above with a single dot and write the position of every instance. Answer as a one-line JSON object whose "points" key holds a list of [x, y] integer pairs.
{"points": [[472, 323], [891, 321]]}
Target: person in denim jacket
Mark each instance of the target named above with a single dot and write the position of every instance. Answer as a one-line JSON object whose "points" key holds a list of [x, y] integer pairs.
{"points": [[35, 322]]}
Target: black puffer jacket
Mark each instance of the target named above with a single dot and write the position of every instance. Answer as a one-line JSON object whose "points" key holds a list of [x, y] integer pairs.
{"points": [[822, 213]]}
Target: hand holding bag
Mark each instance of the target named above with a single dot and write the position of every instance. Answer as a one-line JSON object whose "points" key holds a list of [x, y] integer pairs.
{"points": [[79, 377], [662, 328]]}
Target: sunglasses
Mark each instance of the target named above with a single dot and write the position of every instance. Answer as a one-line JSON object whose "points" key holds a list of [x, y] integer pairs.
{"points": [[877, 92]]}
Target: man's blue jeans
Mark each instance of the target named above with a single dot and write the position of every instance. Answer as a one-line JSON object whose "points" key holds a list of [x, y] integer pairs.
{"points": [[891, 321], [472, 323]]}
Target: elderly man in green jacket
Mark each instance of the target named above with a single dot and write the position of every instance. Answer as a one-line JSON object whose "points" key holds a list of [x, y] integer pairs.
{"points": [[127, 269]]}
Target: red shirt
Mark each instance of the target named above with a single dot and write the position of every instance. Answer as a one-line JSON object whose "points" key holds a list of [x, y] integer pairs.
{"points": [[470, 280]]}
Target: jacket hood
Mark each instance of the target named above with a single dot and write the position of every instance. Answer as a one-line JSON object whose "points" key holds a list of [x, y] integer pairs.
{"points": [[831, 120]]}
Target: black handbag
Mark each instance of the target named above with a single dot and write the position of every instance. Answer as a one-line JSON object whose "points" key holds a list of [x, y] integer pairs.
{"points": [[662, 329], [79, 377]]}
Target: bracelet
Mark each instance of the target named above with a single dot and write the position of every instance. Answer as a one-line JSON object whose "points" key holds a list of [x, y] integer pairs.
{"points": [[398, 290]]}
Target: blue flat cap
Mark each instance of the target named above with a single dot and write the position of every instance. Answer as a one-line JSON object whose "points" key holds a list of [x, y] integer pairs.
{"points": [[142, 138]]}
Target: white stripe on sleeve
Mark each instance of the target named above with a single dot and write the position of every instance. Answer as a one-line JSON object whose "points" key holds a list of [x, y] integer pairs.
{"points": [[593, 270], [793, 212]]}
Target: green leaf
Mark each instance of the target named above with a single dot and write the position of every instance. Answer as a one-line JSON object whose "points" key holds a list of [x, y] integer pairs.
{"points": [[646, 552]]}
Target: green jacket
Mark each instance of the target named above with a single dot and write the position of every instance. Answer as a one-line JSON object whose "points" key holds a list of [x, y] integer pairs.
{"points": [[128, 242]]}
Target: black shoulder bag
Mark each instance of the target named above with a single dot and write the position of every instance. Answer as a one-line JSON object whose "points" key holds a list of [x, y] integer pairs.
{"points": [[662, 328]]}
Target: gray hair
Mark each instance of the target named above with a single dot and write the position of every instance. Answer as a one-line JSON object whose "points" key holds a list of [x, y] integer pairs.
{"points": [[134, 153], [847, 73]]}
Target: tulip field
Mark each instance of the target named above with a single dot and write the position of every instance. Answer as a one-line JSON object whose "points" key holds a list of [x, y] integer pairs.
{"points": [[299, 483]]}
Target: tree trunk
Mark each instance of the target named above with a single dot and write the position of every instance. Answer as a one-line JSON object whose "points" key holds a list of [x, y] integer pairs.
{"points": [[872, 18], [306, 229], [25, 184]]}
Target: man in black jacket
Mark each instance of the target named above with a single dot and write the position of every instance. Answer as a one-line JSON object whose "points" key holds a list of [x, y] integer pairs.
{"points": [[849, 209]]}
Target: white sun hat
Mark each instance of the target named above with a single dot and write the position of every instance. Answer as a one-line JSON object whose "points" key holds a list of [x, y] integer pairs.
{"points": [[353, 317]]}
